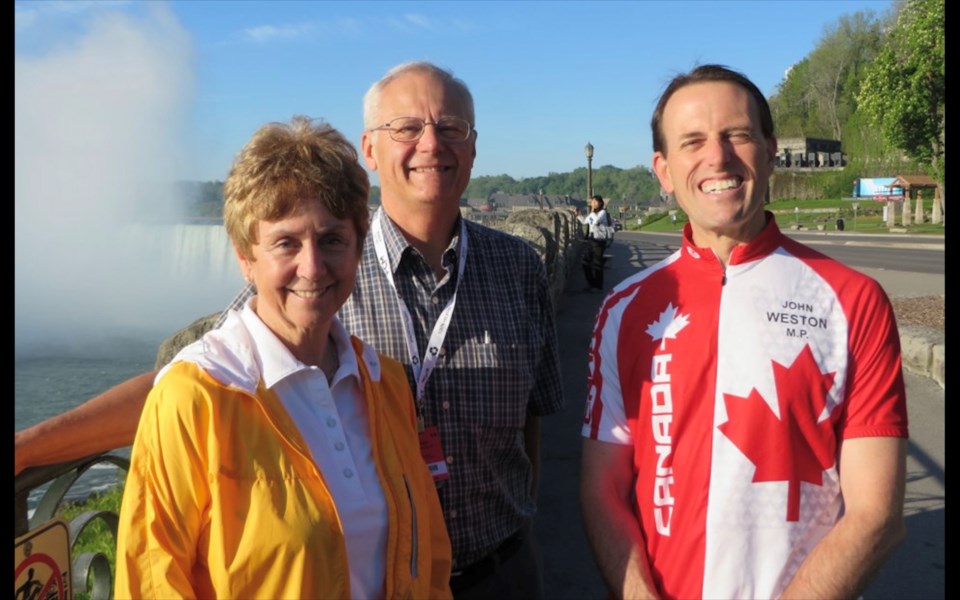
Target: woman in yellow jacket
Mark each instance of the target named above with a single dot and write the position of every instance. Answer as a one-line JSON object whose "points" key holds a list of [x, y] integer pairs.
{"points": [[277, 457]]}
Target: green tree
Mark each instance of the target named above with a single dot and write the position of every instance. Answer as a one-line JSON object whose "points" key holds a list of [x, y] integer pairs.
{"points": [[791, 104], [903, 93], [636, 184], [835, 66], [817, 97]]}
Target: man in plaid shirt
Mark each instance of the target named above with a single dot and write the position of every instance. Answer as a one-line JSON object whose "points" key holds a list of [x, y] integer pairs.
{"points": [[464, 307]]}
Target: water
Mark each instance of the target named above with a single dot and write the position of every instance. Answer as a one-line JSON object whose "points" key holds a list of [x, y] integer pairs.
{"points": [[45, 386]]}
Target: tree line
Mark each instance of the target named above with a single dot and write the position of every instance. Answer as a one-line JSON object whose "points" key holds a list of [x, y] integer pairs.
{"points": [[636, 184]]}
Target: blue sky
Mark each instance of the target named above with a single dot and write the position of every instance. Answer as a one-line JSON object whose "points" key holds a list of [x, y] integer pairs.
{"points": [[547, 77]]}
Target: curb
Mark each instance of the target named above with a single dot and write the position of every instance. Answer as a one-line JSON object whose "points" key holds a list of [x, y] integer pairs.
{"points": [[922, 351]]}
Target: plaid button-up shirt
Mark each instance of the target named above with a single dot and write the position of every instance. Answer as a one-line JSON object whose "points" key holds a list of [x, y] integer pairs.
{"points": [[499, 362]]}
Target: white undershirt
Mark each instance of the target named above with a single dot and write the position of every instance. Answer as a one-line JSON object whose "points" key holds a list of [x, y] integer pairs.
{"points": [[334, 423]]}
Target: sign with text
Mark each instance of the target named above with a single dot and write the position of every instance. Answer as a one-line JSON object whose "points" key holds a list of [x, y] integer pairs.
{"points": [[41, 563]]}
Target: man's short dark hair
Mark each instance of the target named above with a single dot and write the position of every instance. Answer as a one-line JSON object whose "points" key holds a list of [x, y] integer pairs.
{"points": [[708, 73]]}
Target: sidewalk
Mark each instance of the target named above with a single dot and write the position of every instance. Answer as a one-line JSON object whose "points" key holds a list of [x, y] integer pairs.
{"points": [[917, 568], [922, 348]]}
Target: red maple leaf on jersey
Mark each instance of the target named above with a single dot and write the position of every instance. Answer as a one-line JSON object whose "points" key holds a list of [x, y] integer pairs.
{"points": [[795, 447]]}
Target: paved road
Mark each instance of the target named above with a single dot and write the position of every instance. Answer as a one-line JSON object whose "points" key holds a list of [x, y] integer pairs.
{"points": [[914, 254], [916, 570]]}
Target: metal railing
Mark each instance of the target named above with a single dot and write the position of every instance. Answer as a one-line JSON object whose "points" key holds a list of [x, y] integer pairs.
{"points": [[91, 572]]}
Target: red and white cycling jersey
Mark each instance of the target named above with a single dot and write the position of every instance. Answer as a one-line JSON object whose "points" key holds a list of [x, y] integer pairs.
{"points": [[735, 388]]}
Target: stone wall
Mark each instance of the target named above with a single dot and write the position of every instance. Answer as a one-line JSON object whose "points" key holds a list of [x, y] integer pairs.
{"points": [[553, 233], [786, 184], [923, 351]]}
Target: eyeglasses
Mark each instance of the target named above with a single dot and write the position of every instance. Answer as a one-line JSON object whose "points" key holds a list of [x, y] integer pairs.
{"points": [[410, 129]]}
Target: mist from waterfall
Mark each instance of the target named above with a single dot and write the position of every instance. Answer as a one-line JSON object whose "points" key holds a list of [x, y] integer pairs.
{"points": [[99, 123]]}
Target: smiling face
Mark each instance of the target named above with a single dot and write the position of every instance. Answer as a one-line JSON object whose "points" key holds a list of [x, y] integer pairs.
{"points": [[304, 267], [716, 160], [429, 173]]}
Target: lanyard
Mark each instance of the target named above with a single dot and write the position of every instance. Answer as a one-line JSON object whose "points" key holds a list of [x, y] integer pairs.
{"points": [[421, 371]]}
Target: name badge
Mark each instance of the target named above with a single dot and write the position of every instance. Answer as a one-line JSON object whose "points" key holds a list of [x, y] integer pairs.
{"points": [[432, 453]]}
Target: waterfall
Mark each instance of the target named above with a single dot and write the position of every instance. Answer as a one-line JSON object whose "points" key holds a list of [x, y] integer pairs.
{"points": [[194, 254], [138, 280]]}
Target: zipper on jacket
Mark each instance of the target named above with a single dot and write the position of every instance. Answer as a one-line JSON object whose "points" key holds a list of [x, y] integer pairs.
{"points": [[413, 537]]}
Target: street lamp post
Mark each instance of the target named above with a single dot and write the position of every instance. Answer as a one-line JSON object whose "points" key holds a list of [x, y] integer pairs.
{"points": [[588, 151]]}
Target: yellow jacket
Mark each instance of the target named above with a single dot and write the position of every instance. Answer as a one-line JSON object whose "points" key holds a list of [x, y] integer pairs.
{"points": [[222, 499]]}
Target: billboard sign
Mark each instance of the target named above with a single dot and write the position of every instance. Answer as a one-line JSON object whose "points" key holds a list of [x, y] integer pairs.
{"points": [[877, 188]]}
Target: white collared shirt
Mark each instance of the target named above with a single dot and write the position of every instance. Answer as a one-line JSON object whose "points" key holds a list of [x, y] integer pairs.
{"points": [[334, 423]]}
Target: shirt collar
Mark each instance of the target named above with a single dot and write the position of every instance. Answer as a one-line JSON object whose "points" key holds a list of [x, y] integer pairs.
{"points": [[276, 360], [761, 245], [397, 244]]}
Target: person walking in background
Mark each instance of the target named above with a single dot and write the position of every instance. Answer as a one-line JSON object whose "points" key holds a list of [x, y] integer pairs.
{"points": [[598, 237], [464, 307], [277, 457], [746, 428]]}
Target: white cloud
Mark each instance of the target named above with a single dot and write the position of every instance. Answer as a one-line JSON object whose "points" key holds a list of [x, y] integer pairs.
{"points": [[416, 23], [464, 25], [268, 33], [349, 25], [28, 14], [24, 18], [419, 21]]}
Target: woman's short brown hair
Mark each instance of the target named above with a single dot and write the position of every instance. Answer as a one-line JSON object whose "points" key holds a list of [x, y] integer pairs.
{"points": [[285, 167]]}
